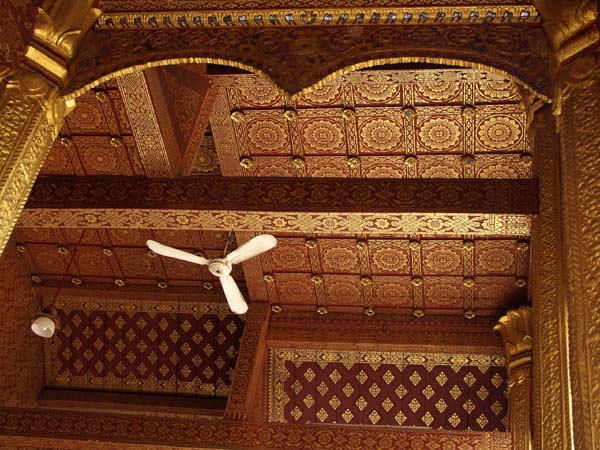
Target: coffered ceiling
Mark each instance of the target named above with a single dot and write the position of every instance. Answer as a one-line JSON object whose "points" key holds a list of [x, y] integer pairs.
{"points": [[134, 321]]}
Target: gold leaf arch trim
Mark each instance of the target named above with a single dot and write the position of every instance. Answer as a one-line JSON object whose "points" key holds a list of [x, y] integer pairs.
{"points": [[336, 74]]}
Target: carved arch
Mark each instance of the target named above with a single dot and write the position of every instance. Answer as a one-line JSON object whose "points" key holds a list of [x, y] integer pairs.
{"points": [[300, 59]]}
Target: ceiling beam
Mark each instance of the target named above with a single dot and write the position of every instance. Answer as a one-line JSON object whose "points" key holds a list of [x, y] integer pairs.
{"points": [[318, 205], [247, 379], [230, 434], [131, 402]]}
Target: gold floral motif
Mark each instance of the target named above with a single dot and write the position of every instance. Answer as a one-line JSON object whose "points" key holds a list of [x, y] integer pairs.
{"points": [[379, 134], [500, 132], [439, 133]]}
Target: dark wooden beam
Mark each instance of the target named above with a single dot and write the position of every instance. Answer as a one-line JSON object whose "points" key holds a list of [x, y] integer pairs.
{"points": [[242, 401], [289, 194], [130, 402], [202, 433]]}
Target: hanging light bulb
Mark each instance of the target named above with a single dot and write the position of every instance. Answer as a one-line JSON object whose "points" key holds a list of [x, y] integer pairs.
{"points": [[44, 325], [46, 322]]}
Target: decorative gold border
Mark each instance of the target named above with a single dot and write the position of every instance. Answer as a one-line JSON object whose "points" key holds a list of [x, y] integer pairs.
{"points": [[144, 125], [282, 222], [263, 18]]}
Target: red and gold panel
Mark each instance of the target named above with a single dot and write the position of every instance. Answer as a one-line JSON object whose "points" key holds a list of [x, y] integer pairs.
{"points": [[107, 255], [438, 274], [434, 390], [448, 123], [144, 346], [96, 138]]}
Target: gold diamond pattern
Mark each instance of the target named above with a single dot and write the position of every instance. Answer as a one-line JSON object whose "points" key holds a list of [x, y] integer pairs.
{"points": [[401, 391], [388, 377], [400, 418], [387, 404], [231, 327], [441, 405], [428, 392], [469, 406], [296, 413], [415, 378], [322, 388], [497, 407], [374, 390], [141, 323], [322, 415], [455, 392], [482, 393], [76, 320], [361, 403], [296, 387], [334, 402], [441, 378], [335, 376], [362, 377], [427, 418], [482, 421], [374, 417], [469, 379], [309, 401], [348, 390], [414, 405], [497, 380], [208, 326], [309, 375], [454, 420], [347, 416]]}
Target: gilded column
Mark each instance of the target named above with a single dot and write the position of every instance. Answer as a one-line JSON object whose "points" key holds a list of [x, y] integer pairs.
{"points": [[578, 101], [552, 423], [515, 328], [31, 109]]}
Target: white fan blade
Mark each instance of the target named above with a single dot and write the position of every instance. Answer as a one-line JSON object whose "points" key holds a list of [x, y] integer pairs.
{"points": [[234, 297], [171, 252], [253, 247]]}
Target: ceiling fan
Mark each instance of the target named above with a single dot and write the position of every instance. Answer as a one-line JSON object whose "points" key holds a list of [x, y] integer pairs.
{"points": [[221, 267]]}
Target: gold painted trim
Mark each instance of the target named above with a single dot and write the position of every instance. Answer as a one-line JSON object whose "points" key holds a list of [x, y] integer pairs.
{"points": [[165, 62], [418, 59], [283, 222], [265, 18], [144, 125]]}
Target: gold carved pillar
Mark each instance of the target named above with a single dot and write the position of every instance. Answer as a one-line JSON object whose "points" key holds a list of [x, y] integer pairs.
{"points": [[552, 423], [578, 101], [515, 328], [31, 109]]}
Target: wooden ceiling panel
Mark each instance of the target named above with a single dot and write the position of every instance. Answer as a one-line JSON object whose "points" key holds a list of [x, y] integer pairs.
{"points": [[376, 123], [440, 274], [171, 346], [388, 388], [107, 255]]}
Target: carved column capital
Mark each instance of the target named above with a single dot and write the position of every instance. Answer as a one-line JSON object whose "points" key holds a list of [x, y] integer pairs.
{"points": [[516, 332], [59, 29]]}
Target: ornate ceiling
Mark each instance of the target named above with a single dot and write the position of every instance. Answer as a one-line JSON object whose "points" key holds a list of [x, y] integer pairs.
{"points": [[374, 270]]}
